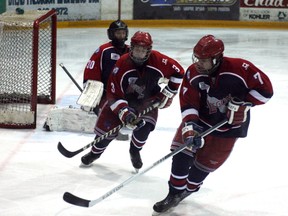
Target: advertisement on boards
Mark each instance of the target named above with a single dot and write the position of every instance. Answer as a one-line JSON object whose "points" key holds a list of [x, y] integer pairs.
{"points": [[264, 10], [66, 9], [186, 9]]}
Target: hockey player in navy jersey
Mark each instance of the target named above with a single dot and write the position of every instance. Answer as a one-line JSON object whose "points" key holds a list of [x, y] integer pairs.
{"points": [[102, 61], [214, 87], [132, 87]]}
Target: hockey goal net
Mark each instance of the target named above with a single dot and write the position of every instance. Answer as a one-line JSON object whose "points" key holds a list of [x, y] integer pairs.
{"points": [[27, 66]]}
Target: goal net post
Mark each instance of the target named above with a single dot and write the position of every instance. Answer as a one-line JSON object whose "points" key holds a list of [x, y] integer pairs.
{"points": [[27, 66]]}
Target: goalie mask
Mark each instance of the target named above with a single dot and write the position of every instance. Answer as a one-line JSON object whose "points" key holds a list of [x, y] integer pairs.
{"points": [[118, 33], [208, 54], [140, 48]]}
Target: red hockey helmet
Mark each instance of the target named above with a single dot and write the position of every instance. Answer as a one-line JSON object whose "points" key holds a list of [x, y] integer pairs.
{"points": [[208, 47], [141, 45]]}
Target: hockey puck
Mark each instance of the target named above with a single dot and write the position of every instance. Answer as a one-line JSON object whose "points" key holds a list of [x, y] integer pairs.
{"points": [[19, 11]]}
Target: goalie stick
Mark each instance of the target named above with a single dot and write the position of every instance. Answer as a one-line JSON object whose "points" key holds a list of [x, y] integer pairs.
{"points": [[73, 80], [70, 154], [91, 94], [75, 200]]}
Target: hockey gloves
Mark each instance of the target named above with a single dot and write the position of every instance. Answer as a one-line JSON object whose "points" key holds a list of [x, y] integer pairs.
{"points": [[128, 116], [165, 97], [190, 133], [237, 111]]}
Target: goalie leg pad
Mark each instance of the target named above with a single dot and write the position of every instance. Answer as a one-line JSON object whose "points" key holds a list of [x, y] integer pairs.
{"points": [[70, 119]]}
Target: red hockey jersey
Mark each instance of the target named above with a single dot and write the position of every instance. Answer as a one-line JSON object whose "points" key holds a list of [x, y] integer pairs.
{"points": [[137, 86], [101, 63], [204, 99]]}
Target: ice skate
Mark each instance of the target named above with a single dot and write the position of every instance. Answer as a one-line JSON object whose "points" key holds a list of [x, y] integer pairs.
{"points": [[171, 201], [88, 159], [136, 159]]}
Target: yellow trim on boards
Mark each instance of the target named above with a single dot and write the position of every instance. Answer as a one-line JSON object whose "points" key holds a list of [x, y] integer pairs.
{"points": [[176, 24]]}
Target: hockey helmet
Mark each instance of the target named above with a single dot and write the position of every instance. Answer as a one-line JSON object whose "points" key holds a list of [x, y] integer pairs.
{"points": [[140, 47], [208, 47], [115, 26]]}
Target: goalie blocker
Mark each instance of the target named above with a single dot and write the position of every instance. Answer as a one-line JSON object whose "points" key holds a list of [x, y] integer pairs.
{"points": [[91, 95]]}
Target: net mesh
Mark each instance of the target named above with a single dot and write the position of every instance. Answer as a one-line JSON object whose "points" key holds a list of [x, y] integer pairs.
{"points": [[17, 61]]}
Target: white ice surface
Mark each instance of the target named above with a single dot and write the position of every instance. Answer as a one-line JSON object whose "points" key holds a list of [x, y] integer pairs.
{"points": [[253, 182]]}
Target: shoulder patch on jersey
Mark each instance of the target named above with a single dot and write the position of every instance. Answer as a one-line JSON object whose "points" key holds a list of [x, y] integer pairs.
{"points": [[245, 66], [115, 56], [188, 74], [164, 61], [97, 50]]}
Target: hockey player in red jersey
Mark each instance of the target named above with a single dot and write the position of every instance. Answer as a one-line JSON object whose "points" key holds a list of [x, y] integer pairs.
{"points": [[214, 87], [132, 87], [102, 61]]}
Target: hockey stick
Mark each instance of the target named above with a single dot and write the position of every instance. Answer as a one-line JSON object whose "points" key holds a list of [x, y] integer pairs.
{"points": [[73, 80], [70, 154], [75, 200]]}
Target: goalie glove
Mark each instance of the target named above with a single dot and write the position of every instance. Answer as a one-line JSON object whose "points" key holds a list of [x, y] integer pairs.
{"points": [[190, 133], [237, 111], [128, 116], [165, 97]]}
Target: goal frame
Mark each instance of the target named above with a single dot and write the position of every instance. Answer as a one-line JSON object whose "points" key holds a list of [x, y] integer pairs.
{"points": [[35, 99]]}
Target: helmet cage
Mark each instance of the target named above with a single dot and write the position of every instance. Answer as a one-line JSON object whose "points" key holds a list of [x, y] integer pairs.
{"points": [[115, 26], [140, 39], [215, 62], [136, 59]]}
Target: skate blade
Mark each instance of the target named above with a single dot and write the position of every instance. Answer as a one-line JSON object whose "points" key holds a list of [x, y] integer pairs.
{"points": [[85, 166], [135, 171], [154, 213]]}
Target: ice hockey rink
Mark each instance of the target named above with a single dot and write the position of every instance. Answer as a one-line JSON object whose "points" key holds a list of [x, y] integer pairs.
{"points": [[253, 181]]}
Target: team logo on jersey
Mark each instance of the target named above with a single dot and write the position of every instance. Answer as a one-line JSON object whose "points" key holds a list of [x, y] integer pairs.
{"points": [[204, 86], [133, 87], [132, 80], [214, 104], [115, 56]]}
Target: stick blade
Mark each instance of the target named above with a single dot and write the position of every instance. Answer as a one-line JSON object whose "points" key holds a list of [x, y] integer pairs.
{"points": [[64, 151], [74, 200]]}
